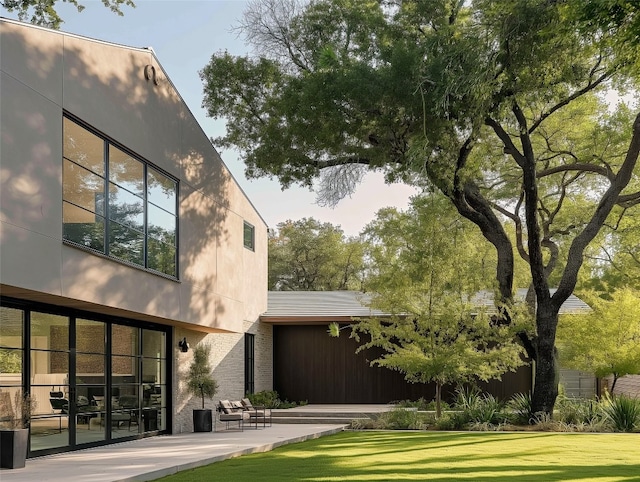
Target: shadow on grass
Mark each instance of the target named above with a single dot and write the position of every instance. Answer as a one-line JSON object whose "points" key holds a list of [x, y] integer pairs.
{"points": [[437, 456]]}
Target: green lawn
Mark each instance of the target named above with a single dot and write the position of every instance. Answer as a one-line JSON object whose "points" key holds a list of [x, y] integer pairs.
{"points": [[424, 456]]}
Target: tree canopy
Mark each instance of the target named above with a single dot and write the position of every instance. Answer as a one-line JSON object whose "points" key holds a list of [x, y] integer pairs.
{"points": [[606, 341], [308, 255], [43, 12], [498, 105]]}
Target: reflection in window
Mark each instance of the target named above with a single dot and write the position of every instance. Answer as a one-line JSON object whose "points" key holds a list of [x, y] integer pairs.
{"points": [[139, 222], [11, 321], [125, 340]]}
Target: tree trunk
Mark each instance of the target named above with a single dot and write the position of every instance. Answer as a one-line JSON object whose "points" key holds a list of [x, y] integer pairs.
{"points": [[438, 399], [545, 389]]}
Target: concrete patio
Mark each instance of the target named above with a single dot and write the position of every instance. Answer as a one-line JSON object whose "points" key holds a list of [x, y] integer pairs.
{"points": [[155, 457]]}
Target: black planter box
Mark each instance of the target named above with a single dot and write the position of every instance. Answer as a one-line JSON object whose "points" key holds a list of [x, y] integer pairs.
{"points": [[13, 448], [202, 421]]}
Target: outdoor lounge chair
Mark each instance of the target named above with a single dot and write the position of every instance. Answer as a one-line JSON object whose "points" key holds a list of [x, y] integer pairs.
{"points": [[228, 413], [257, 413]]}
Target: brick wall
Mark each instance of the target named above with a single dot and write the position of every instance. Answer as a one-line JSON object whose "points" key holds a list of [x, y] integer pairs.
{"points": [[227, 360]]}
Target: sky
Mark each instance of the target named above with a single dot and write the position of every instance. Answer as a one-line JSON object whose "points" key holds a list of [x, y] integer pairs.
{"points": [[184, 34]]}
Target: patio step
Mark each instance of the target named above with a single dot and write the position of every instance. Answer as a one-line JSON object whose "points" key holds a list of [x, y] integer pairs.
{"points": [[314, 417]]}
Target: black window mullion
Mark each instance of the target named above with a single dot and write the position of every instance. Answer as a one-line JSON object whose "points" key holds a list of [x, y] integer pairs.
{"points": [[107, 203], [108, 381], [73, 397], [145, 214]]}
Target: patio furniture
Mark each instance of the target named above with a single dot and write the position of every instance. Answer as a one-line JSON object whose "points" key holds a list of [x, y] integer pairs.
{"points": [[228, 413], [59, 407], [130, 403], [257, 413]]}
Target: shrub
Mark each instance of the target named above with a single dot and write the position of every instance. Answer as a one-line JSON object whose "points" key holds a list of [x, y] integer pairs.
{"points": [[487, 409], [401, 419], [271, 399], [266, 398], [453, 421], [422, 405], [467, 398], [519, 409], [577, 411], [623, 413]]}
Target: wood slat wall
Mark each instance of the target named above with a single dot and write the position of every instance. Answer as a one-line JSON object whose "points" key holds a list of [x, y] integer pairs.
{"points": [[310, 365]]}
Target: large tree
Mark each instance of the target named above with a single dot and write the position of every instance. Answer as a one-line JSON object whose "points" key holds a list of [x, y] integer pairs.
{"points": [[496, 104], [44, 13], [309, 255]]}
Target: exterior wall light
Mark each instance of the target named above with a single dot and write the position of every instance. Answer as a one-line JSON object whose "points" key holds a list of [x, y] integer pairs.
{"points": [[183, 345]]}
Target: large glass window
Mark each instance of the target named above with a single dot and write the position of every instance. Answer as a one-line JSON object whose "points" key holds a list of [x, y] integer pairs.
{"points": [[117, 204], [92, 382]]}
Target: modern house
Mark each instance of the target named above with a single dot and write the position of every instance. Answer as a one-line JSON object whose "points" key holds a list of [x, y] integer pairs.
{"points": [[125, 240], [122, 233]]}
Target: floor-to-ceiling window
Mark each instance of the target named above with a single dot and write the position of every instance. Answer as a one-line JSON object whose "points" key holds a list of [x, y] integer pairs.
{"points": [[93, 379]]}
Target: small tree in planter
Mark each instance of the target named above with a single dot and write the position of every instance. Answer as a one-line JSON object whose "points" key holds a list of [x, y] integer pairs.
{"points": [[200, 383], [14, 437]]}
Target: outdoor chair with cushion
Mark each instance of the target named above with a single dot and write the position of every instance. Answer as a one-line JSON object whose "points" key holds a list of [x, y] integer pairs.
{"points": [[258, 413], [228, 413], [59, 407]]}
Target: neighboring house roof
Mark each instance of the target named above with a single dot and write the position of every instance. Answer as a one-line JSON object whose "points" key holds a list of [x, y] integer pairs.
{"points": [[325, 306]]}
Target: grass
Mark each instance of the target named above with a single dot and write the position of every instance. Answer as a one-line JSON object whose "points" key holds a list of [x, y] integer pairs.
{"points": [[437, 456]]}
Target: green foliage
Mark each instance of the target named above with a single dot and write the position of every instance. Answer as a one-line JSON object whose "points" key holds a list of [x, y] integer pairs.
{"points": [[10, 361], [311, 256], [623, 412], [43, 12], [453, 421], [605, 341], [479, 408], [403, 419], [576, 411], [423, 405], [200, 381], [467, 397], [519, 409], [271, 399]]}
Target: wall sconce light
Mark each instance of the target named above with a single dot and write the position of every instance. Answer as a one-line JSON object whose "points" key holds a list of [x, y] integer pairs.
{"points": [[183, 345]]}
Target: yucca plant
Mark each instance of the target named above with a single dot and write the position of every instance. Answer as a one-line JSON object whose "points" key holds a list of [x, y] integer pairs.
{"points": [[467, 398], [487, 410], [623, 412], [519, 409]]}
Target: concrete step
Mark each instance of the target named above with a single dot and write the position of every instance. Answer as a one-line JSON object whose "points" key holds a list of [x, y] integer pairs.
{"points": [[313, 420], [333, 418]]}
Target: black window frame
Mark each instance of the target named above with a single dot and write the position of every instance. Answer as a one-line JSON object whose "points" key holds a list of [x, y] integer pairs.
{"points": [[249, 363], [110, 227], [249, 242]]}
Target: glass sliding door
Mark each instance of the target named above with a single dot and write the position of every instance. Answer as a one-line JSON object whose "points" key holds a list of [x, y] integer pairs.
{"points": [[90, 379], [49, 379], [93, 381], [154, 384], [125, 381]]}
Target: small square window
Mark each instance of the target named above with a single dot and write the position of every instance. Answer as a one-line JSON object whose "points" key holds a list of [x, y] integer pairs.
{"points": [[249, 236]]}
